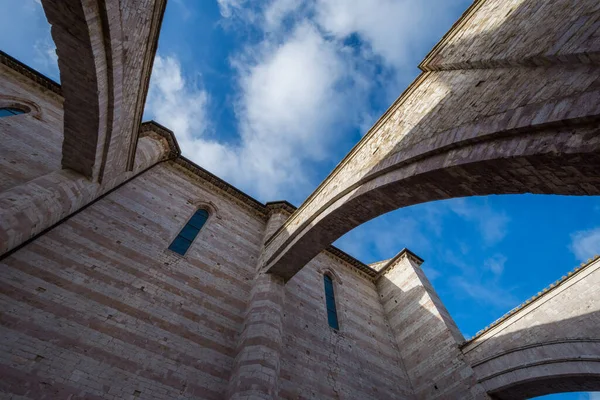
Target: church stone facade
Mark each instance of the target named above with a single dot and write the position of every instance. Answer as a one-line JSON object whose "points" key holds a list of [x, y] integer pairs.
{"points": [[95, 304]]}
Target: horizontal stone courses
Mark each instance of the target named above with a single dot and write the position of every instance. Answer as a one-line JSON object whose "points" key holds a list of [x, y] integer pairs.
{"points": [[64, 313], [372, 341], [99, 354], [31, 384], [117, 280], [314, 311], [189, 281], [124, 308], [223, 272], [311, 288], [379, 386]]}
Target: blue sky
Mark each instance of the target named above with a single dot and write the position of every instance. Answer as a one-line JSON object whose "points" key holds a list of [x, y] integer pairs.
{"points": [[271, 95]]}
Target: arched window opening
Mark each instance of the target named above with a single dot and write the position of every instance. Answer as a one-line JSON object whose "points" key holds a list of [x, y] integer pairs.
{"points": [[332, 318], [184, 239], [9, 111]]}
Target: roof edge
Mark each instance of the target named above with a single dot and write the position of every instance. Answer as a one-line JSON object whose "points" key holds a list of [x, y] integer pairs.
{"points": [[550, 288], [153, 126], [456, 27], [30, 73], [402, 253]]}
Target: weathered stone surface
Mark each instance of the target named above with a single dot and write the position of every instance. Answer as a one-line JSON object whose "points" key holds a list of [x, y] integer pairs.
{"points": [[550, 345], [470, 129], [30, 145], [105, 54], [93, 304], [425, 334]]}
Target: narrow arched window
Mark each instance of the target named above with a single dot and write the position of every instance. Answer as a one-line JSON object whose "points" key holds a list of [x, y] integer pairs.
{"points": [[184, 240], [330, 302], [9, 111]]}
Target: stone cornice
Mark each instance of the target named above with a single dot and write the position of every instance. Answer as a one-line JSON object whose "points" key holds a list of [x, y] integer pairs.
{"points": [[259, 209], [153, 126], [531, 300], [393, 261], [30, 73], [282, 206], [231, 191], [348, 259], [456, 27]]}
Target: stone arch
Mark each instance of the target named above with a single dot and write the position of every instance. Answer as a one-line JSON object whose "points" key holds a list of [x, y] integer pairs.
{"points": [[570, 374], [550, 344], [104, 78], [515, 122]]}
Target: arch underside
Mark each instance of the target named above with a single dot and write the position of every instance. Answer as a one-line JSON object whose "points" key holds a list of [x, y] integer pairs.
{"points": [[556, 160], [507, 103], [105, 57], [567, 382]]}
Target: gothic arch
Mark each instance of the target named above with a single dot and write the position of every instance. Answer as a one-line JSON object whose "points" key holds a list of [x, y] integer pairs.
{"points": [[511, 119], [104, 76], [550, 344]]}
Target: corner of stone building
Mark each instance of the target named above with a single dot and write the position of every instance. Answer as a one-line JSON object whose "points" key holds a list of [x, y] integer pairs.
{"points": [[427, 337], [165, 135]]}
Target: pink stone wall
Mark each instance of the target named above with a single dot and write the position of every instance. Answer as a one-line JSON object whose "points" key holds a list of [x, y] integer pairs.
{"points": [[358, 362], [30, 144], [99, 307]]}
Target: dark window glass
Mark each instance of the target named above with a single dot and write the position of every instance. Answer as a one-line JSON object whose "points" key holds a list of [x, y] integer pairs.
{"points": [[330, 303], [199, 219], [189, 232], [184, 240], [180, 245], [7, 112]]}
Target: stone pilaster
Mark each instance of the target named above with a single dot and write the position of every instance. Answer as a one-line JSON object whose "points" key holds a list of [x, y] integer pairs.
{"points": [[255, 373], [426, 335]]}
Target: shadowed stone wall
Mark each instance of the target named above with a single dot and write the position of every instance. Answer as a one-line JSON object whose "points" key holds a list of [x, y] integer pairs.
{"points": [[360, 361], [425, 333], [30, 145], [549, 345]]}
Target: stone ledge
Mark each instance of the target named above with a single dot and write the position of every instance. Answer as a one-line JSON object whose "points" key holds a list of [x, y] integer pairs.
{"points": [[30, 73], [153, 126], [392, 261], [260, 209]]}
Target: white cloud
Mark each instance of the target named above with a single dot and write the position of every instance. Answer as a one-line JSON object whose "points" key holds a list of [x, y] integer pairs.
{"points": [[277, 11], [495, 264], [228, 7], [586, 244], [176, 103], [390, 27], [594, 395], [492, 224], [286, 109]]}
